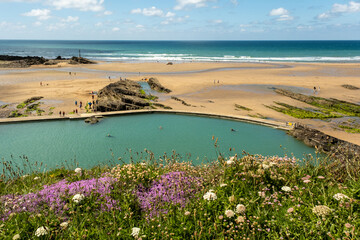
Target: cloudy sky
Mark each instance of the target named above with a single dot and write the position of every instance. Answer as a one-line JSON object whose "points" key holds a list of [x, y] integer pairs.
{"points": [[180, 19]]}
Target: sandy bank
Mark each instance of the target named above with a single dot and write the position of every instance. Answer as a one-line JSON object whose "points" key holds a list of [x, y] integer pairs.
{"points": [[215, 91]]}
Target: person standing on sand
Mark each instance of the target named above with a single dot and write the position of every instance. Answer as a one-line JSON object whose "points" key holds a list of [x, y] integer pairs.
{"points": [[75, 103], [80, 104], [63, 114], [60, 113]]}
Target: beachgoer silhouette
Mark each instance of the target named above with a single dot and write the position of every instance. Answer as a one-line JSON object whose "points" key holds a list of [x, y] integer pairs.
{"points": [[69, 73], [108, 135], [218, 81], [63, 114], [314, 89], [233, 130], [75, 103], [76, 111], [60, 113], [90, 104], [92, 96]]}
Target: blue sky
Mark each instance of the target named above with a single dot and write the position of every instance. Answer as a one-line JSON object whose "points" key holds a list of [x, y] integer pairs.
{"points": [[180, 19]]}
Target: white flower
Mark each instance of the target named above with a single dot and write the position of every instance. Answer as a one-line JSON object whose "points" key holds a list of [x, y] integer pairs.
{"points": [[265, 166], [16, 237], [135, 231], [143, 164], [223, 185], [210, 195], [78, 198], [41, 231], [36, 178], [321, 210], [229, 213], [78, 170], [340, 197], [25, 176], [64, 224], [240, 208], [286, 189], [187, 213], [261, 194]]}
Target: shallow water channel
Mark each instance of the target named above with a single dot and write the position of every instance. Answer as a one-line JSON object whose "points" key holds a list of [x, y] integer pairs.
{"points": [[54, 142]]}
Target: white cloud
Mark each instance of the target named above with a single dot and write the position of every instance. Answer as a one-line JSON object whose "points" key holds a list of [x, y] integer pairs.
{"points": [[235, 2], [107, 13], [323, 16], [116, 29], [285, 17], [170, 14], [346, 8], [139, 26], [41, 14], [282, 14], [71, 19], [217, 21], [99, 24], [171, 20], [339, 9], [181, 4], [149, 12], [278, 12], [82, 5]]}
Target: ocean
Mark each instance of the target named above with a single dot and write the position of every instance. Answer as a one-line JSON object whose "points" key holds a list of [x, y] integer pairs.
{"points": [[187, 51]]}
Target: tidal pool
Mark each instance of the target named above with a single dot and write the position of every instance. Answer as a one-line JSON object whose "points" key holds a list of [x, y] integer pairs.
{"points": [[54, 142]]}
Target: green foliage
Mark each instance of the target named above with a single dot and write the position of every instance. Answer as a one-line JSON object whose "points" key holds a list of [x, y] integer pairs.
{"points": [[350, 129], [278, 197], [21, 106], [303, 113], [4, 106]]}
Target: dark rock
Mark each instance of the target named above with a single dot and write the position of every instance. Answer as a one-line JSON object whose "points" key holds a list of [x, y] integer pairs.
{"points": [[20, 62], [121, 95], [324, 142], [180, 100], [33, 99], [169, 63], [351, 87], [80, 60], [92, 120], [156, 85]]}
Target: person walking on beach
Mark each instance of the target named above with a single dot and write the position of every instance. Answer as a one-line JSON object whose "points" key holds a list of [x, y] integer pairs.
{"points": [[63, 114], [80, 104], [60, 113], [75, 103], [314, 90], [76, 111], [90, 104]]}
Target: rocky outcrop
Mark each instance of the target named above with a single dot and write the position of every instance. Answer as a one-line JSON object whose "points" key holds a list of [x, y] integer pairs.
{"points": [[156, 85], [121, 95], [324, 142], [351, 87], [32, 99], [92, 120], [24, 62], [80, 60], [20, 62]]}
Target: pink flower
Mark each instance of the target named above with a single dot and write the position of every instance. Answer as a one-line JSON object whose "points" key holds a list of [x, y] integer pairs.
{"points": [[348, 225], [307, 177], [307, 181], [321, 177], [290, 210]]}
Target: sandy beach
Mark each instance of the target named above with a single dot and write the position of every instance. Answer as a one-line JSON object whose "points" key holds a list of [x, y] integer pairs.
{"points": [[208, 87]]}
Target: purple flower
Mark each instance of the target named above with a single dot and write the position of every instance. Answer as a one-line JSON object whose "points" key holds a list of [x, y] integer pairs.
{"points": [[174, 188], [55, 196]]}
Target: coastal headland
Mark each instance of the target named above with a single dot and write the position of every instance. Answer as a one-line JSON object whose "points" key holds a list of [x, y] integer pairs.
{"points": [[237, 89]]}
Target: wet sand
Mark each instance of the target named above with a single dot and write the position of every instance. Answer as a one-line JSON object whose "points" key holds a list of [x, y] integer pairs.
{"points": [[246, 84]]}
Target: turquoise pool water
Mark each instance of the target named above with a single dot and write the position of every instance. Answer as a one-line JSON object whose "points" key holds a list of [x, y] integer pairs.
{"points": [[54, 142]]}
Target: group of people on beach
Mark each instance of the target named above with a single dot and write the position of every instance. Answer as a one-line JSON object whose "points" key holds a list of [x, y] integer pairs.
{"points": [[91, 105]]}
